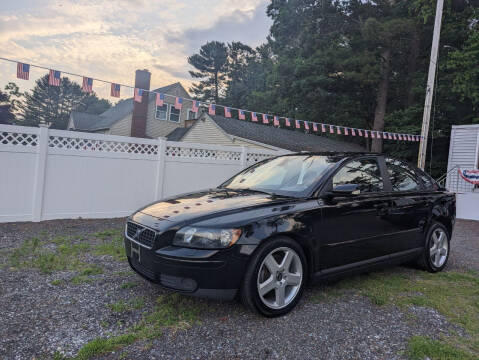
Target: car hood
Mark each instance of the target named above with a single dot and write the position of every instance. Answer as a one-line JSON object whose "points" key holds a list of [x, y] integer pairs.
{"points": [[198, 206]]}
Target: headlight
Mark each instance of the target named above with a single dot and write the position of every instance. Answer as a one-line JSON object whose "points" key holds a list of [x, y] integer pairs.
{"points": [[206, 238]]}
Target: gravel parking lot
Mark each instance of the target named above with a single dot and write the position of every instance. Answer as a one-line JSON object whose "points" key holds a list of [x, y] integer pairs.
{"points": [[66, 291]]}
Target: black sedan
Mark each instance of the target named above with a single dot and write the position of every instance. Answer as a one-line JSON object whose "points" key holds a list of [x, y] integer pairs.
{"points": [[270, 229]]}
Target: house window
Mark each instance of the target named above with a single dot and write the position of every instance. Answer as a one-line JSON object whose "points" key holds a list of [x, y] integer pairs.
{"points": [[174, 114], [191, 115], [161, 112]]}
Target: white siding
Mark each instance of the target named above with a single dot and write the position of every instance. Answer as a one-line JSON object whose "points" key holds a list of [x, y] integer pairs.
{"points": [[205, 131], [463, 153]]}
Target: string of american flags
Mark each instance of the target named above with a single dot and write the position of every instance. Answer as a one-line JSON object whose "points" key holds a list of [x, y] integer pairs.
{"points": [[54, 79]]}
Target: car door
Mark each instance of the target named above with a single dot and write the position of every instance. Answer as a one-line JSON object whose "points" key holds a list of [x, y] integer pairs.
{"points": [[353, 227], [409, 206]]}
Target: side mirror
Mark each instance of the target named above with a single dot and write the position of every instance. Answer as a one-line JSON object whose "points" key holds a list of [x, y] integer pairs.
{"points": [[346, 189]]}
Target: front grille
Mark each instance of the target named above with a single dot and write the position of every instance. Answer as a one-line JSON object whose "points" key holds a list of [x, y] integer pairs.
{"points": [[140, 234]]}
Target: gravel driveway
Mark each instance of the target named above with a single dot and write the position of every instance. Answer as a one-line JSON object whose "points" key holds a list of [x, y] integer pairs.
{"points": [[52, 309]]}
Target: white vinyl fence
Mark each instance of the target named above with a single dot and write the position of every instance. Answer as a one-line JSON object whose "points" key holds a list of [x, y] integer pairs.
{"points": [[54, 174]]}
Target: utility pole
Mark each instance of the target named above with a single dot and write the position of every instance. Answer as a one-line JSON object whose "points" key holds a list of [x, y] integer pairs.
{"points": [[421, 161]]}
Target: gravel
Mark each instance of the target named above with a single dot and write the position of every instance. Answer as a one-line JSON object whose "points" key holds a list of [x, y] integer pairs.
{"points": [[39, 318]]}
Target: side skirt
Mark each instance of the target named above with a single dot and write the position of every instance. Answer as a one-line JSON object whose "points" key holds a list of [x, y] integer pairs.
{"points": [[367, 265]]}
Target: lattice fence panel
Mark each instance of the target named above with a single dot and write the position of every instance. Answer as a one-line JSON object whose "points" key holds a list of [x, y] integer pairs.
{"points": [[252, 158], [70, 143], [194, 153], [18, 139]]}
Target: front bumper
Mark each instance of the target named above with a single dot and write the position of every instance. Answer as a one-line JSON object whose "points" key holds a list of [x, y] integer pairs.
{"points": [[213, 274]]}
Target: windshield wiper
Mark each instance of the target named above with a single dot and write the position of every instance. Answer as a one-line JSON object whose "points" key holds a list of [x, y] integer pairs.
{"points": [[273, 195]]}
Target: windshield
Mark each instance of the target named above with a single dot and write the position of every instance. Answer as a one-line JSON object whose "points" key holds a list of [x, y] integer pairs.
{"points": [[287, 175]]}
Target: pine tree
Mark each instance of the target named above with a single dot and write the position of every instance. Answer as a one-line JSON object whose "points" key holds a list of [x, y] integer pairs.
{"points": [[210, 64]]}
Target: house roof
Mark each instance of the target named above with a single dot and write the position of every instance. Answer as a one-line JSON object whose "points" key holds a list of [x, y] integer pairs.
{"points": [[282, 138], [177, 134], [90, 122]]}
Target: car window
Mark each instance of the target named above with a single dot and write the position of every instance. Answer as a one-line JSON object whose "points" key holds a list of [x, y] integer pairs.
{"points": [[363, 172], [402, 177], [286, 175]]}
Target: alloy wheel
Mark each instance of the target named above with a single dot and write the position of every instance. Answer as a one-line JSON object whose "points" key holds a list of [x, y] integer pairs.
{"points": [[439, 247], [279, 278]]}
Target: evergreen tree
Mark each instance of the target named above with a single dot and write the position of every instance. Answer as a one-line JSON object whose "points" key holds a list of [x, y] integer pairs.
{"points": [[53, 104], [210, 64]]}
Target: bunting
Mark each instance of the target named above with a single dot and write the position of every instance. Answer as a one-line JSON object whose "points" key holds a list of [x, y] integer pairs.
{"points": [[54, 79]]}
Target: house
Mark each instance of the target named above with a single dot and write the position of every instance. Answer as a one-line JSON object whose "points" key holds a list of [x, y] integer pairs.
{"points": [[145, 119], [214, 129]]}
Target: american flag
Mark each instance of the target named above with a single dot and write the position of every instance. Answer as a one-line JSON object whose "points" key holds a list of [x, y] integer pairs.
{"points": [[373, 136], [227, 112], [265, 119], [315, 127], [160, 99], [399, 136], [390, 137], [298, 125], [254, 117], [366, 134], [23, 71], [275, 121], [115, 90], [178, 103], [287, 121], [323, 128], [138, 95], [338, 130], [409, 137], [87, 85], [360, 133], [353, 133], [241, 115], [306, 125], [54, 78], [385, 135], [196, 106], [331, 129], [394, 136], [212, 109], [346, 132]]}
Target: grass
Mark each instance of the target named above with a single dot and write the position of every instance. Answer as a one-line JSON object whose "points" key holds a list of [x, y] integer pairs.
{"points": [[101, 346], [455, 295], [112, 244], [65, 252], [122, 306], [420, 348], [128, 285], [172, 311]]}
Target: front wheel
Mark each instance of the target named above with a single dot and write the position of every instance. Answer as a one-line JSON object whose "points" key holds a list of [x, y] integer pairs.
{"points": [[436, 252], [275, 277]]}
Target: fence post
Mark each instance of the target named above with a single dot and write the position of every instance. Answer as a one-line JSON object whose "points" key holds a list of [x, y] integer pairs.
{"points": [[160, 168], [39, 179], [244, 158]]}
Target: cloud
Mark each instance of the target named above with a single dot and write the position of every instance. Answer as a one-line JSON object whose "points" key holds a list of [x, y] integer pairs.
{"points": [[111, 39], [248, 26]]}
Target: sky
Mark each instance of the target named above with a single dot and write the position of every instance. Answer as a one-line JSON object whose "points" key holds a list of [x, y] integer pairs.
{"points": [[110, 39]]}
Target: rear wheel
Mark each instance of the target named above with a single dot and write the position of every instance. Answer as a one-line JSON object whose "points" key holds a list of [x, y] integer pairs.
{"points": [[275, 277], [436, 252]]}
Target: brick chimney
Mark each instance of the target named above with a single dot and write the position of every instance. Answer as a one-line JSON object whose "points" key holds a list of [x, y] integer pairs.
{"points": [[140, 110]]}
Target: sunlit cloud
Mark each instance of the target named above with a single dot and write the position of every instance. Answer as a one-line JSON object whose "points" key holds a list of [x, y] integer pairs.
{"points": [[111, 39]]}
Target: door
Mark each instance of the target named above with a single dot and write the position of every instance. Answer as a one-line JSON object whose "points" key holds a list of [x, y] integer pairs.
{"points": [[409, 206], [353, 227]]}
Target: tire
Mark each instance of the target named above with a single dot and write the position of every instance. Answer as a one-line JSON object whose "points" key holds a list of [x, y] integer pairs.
{"points": [[282, 281], [437, 248]]}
